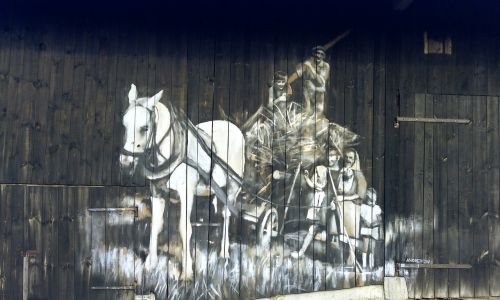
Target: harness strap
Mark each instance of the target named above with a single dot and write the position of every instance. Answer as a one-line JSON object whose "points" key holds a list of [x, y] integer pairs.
{"points": [[215, 157], [221, 195]]}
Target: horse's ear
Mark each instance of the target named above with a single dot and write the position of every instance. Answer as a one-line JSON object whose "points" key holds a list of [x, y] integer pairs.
{"points": [[157, 97], [154, 100], [132, 94]]}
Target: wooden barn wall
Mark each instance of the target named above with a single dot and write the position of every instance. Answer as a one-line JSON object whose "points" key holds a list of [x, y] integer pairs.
{"points": [[441, 180], [63, 94], [64, 91]]}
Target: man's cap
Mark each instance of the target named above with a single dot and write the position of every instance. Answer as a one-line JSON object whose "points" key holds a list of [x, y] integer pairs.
{"points": [[319, 49]]}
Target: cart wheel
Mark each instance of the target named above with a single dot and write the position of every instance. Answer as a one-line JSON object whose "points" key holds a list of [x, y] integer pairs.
{"points": [[268, 226]]}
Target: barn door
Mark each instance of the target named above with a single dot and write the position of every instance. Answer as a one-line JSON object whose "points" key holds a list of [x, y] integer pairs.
{"points": [[449, 228], [113, 212], [45, 254]]}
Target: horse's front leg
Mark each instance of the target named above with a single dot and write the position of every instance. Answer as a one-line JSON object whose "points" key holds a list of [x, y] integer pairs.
{"points": [[157, 210], [184, 181]]}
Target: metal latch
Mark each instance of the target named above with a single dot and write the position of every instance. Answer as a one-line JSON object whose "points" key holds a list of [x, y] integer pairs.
{"points": [[134, 210], [430, 120], [400, 266], [121, 288]]}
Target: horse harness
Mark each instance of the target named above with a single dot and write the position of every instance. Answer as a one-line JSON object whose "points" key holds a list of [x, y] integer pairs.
{"points": [[179, 129], [151, 153]]}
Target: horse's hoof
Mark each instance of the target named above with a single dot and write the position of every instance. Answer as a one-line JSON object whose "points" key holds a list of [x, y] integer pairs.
{"points": [[151, 262]]}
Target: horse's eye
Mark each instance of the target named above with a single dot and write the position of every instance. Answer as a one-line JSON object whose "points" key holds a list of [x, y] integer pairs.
{"points": [[144, 129]]}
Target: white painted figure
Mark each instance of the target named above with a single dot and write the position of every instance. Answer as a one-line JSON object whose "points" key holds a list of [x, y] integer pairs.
{"points": [[174, 154], [315, 72], [314, 213]]}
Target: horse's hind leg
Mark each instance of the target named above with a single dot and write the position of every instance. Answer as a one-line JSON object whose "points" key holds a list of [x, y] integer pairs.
{"points": [[233, 190], [224, 249]]}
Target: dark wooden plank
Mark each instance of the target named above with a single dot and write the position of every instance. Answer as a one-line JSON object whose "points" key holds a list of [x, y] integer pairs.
{"points": [[109, 92], [418, 191], [282, 48], [50, 240], [27, 94], [298, 52], [493, 62], [248, 258], [76, 156], [16, 195], [104, 79], [58, 147], [179, 66], [235, 110], [452, 247], [164, 73], [222, 80], [406, 191], [493, 183], [293, 56], [47, 51], [440, 193], [33, 240], [124, 245], [206, 112], [192, 112], [262, 51], [364, 102], [101, 272], [479, 57], [12, 114], [466, 198], [118, 228], [6, 38], [351, 122], [480, 191], [205, 107], [92, 64], [125, 76], [405, 239], [66, 246], [83, 244], [413, 83], [337, 83], [6, 248], [464, 69], [50, 156], [365, 116], [428, 216], [391, 154], [379, 115], [435, 73], [141, 76]]}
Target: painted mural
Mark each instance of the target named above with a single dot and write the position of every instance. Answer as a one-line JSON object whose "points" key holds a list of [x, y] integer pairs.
{"points": [[277, 205]]}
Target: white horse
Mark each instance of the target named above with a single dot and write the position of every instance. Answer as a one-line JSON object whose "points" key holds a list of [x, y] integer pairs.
{"points": [[175, 155]]}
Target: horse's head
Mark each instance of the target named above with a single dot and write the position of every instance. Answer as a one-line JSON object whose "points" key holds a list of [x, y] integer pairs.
{"points": [[139, 128]]}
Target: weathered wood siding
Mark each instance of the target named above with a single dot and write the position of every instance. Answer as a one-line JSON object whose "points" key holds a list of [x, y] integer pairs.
{"points": [[63, 93]]}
